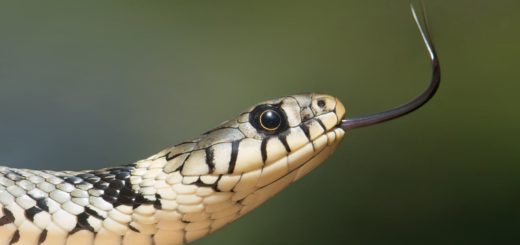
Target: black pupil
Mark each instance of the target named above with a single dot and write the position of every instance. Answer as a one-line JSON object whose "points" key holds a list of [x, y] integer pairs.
{"points": [[270, 120]]}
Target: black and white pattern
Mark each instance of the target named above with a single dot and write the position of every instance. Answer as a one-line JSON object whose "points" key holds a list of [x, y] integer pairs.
{"points": [[178, 195]]}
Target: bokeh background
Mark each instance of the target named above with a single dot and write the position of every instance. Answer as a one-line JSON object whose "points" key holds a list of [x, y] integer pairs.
{"points": [[87, 84]]}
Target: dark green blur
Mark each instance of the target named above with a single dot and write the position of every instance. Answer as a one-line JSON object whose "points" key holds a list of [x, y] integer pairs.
{"points": [[97, 83]]}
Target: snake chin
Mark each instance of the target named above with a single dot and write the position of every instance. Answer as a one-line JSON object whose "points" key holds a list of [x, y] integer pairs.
{"points": [[278, 175]]}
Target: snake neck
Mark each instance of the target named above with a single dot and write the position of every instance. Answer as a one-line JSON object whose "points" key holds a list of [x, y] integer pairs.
{"points": [[148, 202]]}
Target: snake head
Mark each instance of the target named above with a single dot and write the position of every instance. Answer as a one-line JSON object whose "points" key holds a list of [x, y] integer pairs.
{"points": [[280, 130], [272, 141], [233, 168]]}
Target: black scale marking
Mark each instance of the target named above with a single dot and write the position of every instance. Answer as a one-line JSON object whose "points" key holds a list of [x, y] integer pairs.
{"points": [[263, 149], [210, 159], [15, 237], [133, 228], [93, 213], [321, 124], [157, 203], [82, 223], [7, 218], [213, 186], [305, 130], [31, 212], [283, 139], [42, 204], [115, 185], [234, 154], [42, 237]]}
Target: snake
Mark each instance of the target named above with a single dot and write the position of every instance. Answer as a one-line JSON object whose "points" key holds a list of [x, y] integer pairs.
{"points": [[194, 188]]}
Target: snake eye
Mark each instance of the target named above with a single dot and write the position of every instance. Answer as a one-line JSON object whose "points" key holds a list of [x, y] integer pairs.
{"points": [[270, 120]]}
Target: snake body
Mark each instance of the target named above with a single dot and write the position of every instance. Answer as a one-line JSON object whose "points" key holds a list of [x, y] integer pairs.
{"points": [[191, 189], [181, 193]]}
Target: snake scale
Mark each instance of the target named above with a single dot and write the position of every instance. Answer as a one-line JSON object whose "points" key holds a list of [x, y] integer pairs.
{"points": [[191, 189]]}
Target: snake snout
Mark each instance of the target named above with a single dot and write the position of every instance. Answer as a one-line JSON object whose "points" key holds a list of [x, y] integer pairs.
{"points": [[324, 105]]}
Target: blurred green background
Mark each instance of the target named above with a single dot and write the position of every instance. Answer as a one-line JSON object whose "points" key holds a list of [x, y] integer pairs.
{"points": [[87, 84]]}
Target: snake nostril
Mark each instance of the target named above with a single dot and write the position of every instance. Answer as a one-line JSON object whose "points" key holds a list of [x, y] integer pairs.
{"points": [[321, 103]]}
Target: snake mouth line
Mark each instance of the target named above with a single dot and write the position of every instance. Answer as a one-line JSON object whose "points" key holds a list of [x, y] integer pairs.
{"points": [[311, 153], [305, 154], [311, 141], [295, 169], [314, 156], [327, 132]]}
